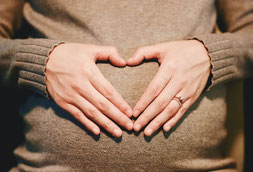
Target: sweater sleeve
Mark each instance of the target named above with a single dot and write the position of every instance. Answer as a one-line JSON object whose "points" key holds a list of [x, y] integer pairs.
{"points": [[22, 61], [231, 52]]}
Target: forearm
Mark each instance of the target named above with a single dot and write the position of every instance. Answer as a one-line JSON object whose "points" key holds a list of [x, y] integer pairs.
{"points": [[22, 62], [231, 55]]}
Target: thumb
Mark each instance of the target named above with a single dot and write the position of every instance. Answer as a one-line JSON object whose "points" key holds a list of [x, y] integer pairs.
{"points": [[110, 53], [147, 53]]}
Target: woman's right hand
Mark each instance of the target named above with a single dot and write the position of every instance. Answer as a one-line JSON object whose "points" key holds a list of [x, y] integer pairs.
{"points": [[77, 85]]}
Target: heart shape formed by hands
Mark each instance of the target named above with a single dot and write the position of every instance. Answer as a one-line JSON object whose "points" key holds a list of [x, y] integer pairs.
{"points": [[78, 86]]}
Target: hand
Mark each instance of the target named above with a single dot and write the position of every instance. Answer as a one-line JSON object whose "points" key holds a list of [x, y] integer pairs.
{"points": [[78, 86], [184, 71]]}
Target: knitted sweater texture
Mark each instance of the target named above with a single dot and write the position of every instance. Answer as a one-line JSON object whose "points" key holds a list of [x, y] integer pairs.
{"points": [[55, 141]]}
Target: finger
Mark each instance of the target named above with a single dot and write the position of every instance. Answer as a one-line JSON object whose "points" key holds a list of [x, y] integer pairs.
{"points": [[77, 114], [95, 115], [110, 53], [103, 86], [173, 121], [106, 107], [157, 84], [163, 117], [148, 52], [159, 104]]}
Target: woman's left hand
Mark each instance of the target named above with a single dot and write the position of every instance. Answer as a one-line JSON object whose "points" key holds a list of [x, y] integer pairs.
{"points": [[181, 78]]}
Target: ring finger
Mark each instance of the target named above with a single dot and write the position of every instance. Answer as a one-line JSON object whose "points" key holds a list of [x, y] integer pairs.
{"points": [[158, 105], [95, 115], [173, 107], [174, 119]]}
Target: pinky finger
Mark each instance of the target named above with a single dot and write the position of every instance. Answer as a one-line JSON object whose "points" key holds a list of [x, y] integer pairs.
{"points": [[76, 113], [174, 120]]}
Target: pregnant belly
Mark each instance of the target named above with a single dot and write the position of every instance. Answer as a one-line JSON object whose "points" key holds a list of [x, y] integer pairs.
{"points": [[55, 140]]}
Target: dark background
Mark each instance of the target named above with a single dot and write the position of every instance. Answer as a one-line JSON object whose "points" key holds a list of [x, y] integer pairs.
{"points": [[248, 112], [11, 126]]}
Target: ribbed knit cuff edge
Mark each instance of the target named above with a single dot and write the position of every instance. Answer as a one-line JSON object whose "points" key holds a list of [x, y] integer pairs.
{"points": [[31, 58], [221, 52]]}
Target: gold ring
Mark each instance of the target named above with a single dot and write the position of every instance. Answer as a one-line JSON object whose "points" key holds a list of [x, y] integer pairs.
{"points": [[179, 100]]}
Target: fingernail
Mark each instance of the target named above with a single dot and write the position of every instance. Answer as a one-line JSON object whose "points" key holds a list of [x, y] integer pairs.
{"points": [[136, 113], [149, 132], [129, 125], [129, 112], [167, 128], [137, 127], [117, 132], [95, 131]]}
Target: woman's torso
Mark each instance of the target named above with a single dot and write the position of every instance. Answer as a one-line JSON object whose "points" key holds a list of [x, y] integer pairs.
{"points": [[55, 141]]}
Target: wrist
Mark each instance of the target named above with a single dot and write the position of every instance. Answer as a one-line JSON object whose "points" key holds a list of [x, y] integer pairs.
{"points": [[203, 47]]}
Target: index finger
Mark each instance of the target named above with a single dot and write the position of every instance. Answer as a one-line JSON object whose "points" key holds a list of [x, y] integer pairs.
{"points": [[102, 85], [158, 83]]}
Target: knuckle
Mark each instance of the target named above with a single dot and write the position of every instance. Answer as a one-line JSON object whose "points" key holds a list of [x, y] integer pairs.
{"points": [[119, 121], [103, 106], [76, 114], [157, 123], [75, 85], [145, 119], [161, 104], [172, 110], [60, 102], [107, 126], [66, 92], [108, 92], [61, 98], [92, 113]]}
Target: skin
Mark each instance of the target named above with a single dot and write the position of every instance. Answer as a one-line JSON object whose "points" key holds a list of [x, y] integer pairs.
{"points": [[184, 71], [76, 84]]}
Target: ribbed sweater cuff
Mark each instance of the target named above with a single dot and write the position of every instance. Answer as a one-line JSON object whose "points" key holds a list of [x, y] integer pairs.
{"points": [[222, 54], [30, 58]]}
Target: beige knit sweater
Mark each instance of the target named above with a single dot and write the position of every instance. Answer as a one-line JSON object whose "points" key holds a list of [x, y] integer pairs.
{"points": [[54, 141]]}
